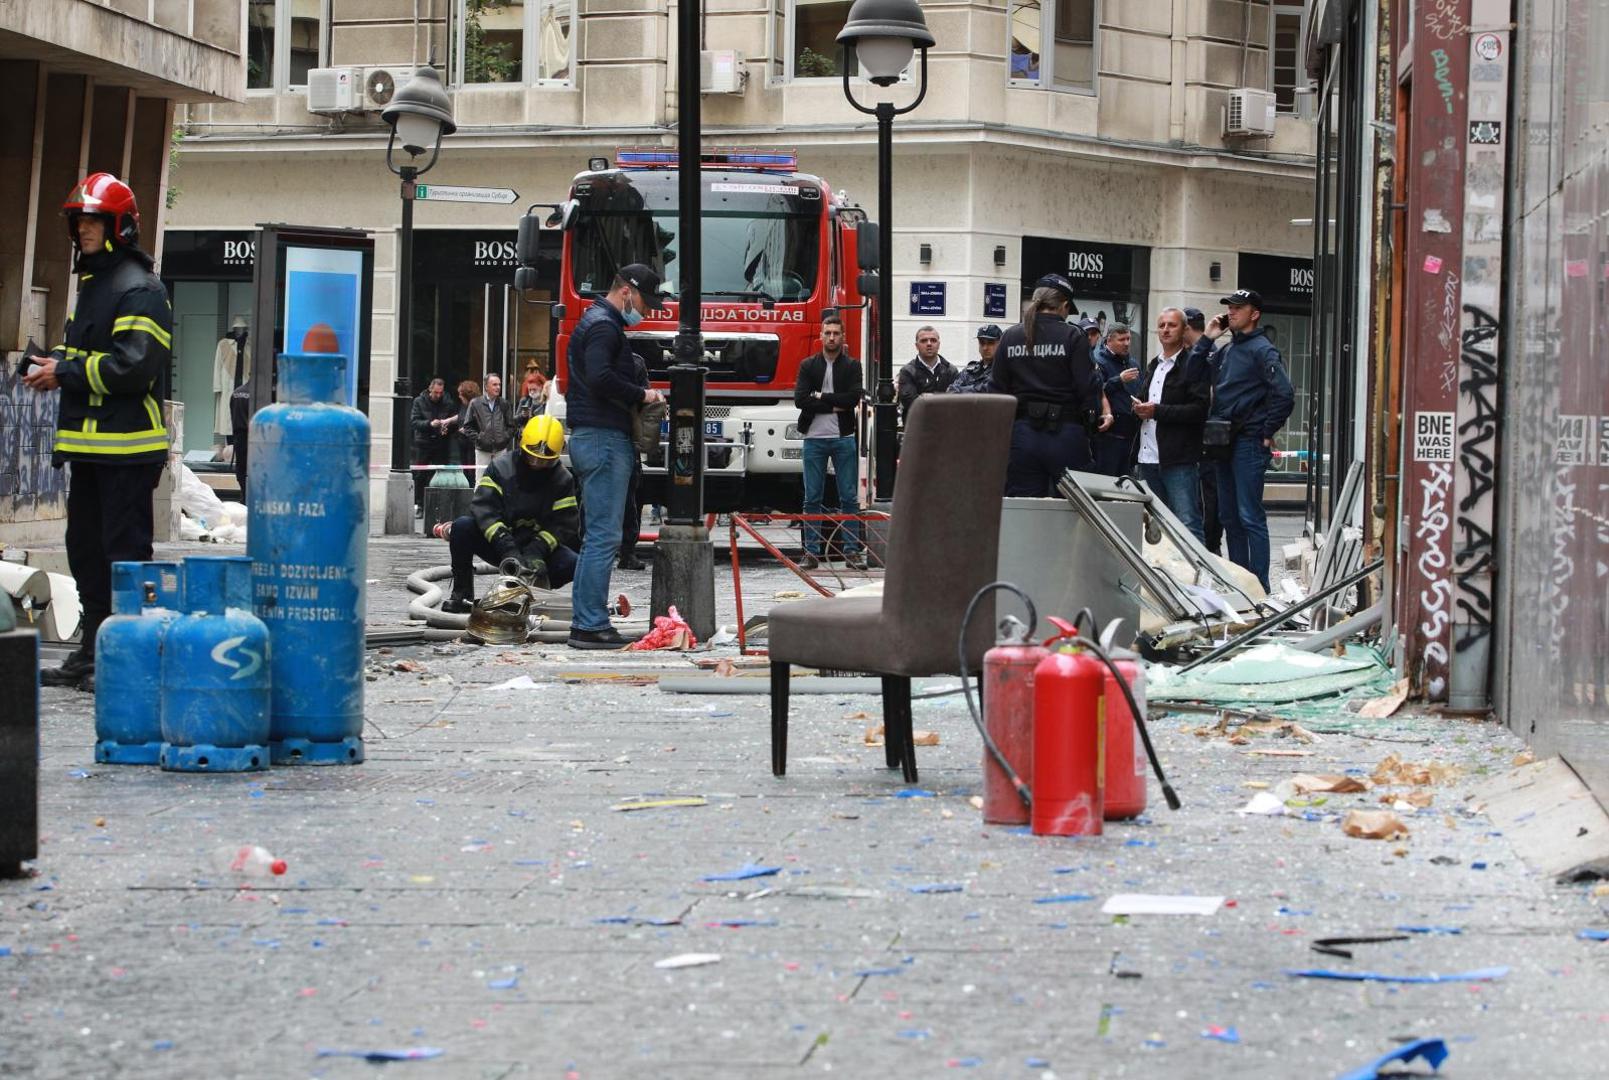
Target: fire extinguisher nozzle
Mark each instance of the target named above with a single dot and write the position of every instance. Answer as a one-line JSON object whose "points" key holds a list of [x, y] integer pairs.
{"points": [[1170, 796]]}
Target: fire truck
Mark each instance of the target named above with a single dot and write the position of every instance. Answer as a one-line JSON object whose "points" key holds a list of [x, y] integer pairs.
{"points": [[780, 251]]}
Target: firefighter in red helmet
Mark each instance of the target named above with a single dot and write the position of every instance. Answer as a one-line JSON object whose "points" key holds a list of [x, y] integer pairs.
{"points": [[110, 370]]}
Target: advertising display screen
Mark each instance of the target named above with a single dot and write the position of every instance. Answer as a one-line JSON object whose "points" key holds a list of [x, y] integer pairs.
{"points": [[325, 286]]}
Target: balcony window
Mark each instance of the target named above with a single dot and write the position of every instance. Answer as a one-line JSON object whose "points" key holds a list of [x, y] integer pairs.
{"points": [[1051, 43], [1288, 65], [285, 39], [511, 41]]}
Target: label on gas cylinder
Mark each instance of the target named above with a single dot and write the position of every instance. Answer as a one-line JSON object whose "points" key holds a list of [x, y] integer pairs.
{"points": [[297, 592]]}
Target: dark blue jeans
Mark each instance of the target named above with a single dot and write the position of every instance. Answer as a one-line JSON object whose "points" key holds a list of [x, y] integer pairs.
{"points": [[846, 467], [1113, 454], [1038, 458], [601, 459], [465, 542], [1179, 487], [1240, 504]]}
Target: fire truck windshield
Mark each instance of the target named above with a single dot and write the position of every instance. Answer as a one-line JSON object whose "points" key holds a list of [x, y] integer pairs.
{"points": [[760, 242]]}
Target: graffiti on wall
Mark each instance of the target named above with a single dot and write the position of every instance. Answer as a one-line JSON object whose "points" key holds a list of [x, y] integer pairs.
{"points": [[29, 485], [1477, 453]]}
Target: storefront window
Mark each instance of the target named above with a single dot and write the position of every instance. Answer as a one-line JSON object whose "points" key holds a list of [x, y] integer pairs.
{"points": [[1052, 43], [511, 41]]}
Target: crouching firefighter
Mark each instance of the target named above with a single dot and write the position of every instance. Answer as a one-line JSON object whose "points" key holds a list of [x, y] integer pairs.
{"points": [[523, 518]]}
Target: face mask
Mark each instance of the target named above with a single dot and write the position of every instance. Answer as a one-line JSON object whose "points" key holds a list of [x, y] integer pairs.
{"points": [[631, 315]]}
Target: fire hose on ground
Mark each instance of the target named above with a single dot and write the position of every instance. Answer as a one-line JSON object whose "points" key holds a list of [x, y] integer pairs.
{"points": [[549, 612]]}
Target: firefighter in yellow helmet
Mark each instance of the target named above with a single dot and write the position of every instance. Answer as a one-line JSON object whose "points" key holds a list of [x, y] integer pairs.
{"points": [[523, 517]]}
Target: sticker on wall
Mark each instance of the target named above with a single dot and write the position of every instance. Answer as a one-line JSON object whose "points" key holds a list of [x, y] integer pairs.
{"points": [[1485, 132], [1436, 221], [1488, 46], [1433, 436], [1432, 264]]}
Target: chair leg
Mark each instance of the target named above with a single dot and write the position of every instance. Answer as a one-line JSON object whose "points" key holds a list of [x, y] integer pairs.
{"points": [[897, 704], [780, 673], [893, 745]]}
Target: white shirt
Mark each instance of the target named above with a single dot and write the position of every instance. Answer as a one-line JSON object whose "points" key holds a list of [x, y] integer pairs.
{"points": [[824, 425], [1148, 449]]}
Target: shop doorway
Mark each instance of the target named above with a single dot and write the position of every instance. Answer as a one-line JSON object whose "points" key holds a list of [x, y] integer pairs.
{"points": [[202, 313]]}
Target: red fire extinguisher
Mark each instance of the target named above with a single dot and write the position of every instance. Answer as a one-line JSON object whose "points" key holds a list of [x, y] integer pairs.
{"points": [[1069, 743], [1008, 717], [1125, 754]]}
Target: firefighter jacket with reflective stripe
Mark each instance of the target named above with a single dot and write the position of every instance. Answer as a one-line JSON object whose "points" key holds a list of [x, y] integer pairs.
{"points": [[118, 344], [526, 511]]}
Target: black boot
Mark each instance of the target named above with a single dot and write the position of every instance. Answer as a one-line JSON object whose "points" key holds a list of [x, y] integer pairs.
{"points": [[77, 671], [462, 599], [629, 560]]}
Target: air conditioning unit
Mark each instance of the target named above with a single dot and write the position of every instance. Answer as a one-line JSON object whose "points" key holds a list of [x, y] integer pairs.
{"points": [[379, 86], [721, 71], [334, 90], [1249, 112]]}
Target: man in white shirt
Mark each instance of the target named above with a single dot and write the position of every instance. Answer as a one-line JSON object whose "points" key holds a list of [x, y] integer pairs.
{"points": [[1171, 417]]}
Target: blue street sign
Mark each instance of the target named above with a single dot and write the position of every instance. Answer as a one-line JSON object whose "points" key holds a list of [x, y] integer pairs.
{"points": [[927, 298], [994, 300]]}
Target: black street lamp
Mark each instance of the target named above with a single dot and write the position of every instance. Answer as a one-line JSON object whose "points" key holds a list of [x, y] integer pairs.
{"points": [[883, 35], [420, 114]]}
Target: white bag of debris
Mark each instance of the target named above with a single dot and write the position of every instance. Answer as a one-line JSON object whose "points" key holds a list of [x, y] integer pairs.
{"points": [[199, 503]]}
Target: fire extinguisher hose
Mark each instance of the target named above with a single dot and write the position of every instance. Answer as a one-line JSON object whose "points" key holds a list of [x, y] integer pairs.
{"points": [[966, 687], [1139, 719]]}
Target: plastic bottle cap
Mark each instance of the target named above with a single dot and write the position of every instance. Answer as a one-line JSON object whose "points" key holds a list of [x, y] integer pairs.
{"points": [[277, 867]]}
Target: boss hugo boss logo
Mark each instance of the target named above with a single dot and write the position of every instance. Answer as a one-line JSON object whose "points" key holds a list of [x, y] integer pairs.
{"points": [[239, 252], [495, 253], [1301, 279], [1086, 263]]}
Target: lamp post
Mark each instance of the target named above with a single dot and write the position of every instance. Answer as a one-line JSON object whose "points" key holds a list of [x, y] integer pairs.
{"points": [[420, 114], [882, 35]]}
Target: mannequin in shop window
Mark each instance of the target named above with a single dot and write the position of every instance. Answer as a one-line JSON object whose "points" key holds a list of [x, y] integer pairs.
{"points": [[228, 372]]}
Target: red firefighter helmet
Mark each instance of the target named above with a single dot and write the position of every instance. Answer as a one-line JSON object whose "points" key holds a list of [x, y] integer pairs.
{"points": [[104, 194]]}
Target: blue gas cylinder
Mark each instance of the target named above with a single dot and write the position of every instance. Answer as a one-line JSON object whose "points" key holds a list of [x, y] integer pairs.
{"points": [[128, 662], [308, 542], [215, 672]]}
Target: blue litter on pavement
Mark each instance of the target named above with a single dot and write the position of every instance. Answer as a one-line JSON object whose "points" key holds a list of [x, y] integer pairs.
{"points": [[1222, 1034], [406, 1053], [1478, 975], [915, 1033], [867, 972], [1064, 898], [1037, 1062], [1431, 929], [1434, 1051], [509, 983], [743, 873], [938, 887], [1588, 935], [737, 923], [162, 1044], [5, 950], [914, 793]]}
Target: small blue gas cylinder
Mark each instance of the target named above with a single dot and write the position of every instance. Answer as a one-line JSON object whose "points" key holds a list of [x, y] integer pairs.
{"points": [[215, 672], [128, 662], [308, 542]]}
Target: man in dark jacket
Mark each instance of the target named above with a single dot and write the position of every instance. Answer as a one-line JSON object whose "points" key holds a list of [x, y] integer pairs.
{"points": [[523, 517], [1177, 396], [1114, 449], [1252, 399], [489, 422], [109, 420], [827, 392], [1195, 324], [602, 395], [431, 419], [974, 378], [928, 373]]}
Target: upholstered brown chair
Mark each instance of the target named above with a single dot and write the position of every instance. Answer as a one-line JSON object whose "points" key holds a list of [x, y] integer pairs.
{"points": [[942, 548]]}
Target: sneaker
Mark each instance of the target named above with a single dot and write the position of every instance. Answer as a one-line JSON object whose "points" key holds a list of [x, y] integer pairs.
{"points": [[607, 638], [809, 562], [631, 562], [71, 672], [855, 560]]}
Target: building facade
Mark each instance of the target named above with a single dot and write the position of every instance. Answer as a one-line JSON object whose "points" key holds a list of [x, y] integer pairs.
{"points": [[1083, 136], [89, 87]]}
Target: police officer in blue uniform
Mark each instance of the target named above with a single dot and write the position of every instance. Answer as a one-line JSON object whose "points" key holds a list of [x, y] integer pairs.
{"points": [[974, 378], [1045, 364]]}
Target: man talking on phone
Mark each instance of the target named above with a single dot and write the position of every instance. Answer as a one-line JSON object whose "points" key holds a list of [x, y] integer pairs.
{"points": [[1252, 399]]}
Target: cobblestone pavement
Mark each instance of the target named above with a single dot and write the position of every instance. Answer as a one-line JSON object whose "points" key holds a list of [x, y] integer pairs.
{"points": [[470, 888]]}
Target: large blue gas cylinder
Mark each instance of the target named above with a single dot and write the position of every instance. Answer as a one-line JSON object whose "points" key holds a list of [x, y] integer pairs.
{"points": [[128, 662], [215, 672], [307, 538]]}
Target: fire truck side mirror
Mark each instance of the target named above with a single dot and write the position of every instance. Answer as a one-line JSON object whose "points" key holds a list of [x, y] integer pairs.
{"points": [[528, 248], [868, 285], [866, 254], [525, 278]]}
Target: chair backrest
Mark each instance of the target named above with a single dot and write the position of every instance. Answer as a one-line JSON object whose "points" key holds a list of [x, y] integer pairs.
{"points": [[944, 539]]}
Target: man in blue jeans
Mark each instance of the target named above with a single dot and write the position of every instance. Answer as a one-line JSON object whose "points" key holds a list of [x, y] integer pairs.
{"points": [[602, 396], [1176, 397], [1252, 399], [827, 391]]}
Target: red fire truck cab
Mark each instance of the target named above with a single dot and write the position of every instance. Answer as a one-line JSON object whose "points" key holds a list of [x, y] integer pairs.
{"points": [[779, 252]]}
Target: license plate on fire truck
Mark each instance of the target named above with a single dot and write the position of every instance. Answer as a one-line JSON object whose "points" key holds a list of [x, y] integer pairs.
{"points": [[712, 429]]}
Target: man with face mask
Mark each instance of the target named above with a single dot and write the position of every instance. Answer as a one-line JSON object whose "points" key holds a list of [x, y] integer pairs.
{"points": [[602, 394], [523, 517]]}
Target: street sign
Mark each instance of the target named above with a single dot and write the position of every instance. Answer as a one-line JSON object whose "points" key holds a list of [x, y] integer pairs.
{"points": [[994, 300], [927, 297], [499, 196]]}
